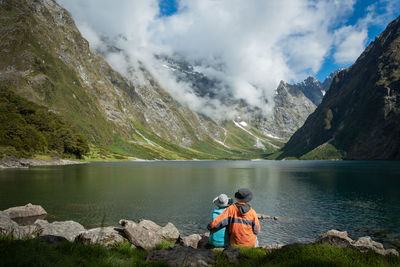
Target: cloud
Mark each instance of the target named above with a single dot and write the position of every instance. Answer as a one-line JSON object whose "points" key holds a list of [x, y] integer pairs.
{"points": [[350, 43], [249, 45]]}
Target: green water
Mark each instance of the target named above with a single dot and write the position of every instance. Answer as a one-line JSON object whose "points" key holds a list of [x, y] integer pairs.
{"points": [[310, 197]]}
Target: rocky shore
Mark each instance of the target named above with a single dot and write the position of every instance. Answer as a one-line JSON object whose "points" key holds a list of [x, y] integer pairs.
{"points": [[26, 163], [192, 250]]}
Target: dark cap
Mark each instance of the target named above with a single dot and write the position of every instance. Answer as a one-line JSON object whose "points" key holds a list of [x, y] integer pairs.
{"points": [[244, 195]]}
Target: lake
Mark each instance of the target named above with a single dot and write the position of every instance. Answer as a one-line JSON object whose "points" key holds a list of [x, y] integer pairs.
{"points": [[309, 197]]}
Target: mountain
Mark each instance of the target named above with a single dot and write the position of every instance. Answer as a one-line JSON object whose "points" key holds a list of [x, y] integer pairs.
{"points": [[45, 60], [290, 111], [27, 128], [360, 113], [292, 103]]}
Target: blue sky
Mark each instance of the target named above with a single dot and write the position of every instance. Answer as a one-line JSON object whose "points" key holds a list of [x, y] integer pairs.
{"points": [[360, 11]]}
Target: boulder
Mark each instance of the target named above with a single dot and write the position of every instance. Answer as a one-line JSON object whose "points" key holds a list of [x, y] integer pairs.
{"points": [[204, 241], [10, 228], [232, 254], [272, 246], [67, 229], [341, 239], [335, 238], [147, 234], [105, 236], [183, 256], [142, 237], [149, 225], [190, 241], [366, 243], [28, 210], [127, 223], [30, 231], [169, 233]]}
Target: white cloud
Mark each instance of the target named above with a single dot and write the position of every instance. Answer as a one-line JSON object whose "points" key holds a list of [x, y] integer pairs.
{"points": [[350, 43], [250, 45]]}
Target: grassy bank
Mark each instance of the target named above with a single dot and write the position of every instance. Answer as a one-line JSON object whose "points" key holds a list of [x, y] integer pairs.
{"points": [[34, 253]]}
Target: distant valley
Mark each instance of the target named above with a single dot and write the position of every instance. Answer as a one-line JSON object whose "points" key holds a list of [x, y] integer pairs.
{"points": [[46, 61]]}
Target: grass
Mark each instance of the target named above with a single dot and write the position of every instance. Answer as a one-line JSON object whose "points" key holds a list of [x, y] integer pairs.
{"points": [[324, 151], [34, 253], [323, 255]]}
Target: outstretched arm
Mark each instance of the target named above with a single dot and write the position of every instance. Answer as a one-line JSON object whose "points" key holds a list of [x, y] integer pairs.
{"points": [[221, 220]]}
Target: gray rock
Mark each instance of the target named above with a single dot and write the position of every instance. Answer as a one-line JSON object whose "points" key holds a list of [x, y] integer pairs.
{"points": [[10, 228], [335, 238], [105, 236], [183, 256], [272, 246], [263, 217], [204, 242], [191, 240], [30, 231], [366, 243], [141, 237], [28, 210], [232, 254], [341, 239], [67, 229], [147, 234], [169, 232], [149, 225], [392, 251], [127, 223]]}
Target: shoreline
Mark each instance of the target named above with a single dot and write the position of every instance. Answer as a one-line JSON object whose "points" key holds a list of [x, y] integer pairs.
{"points": [[14, 163], [164, 244], [25, 163]]}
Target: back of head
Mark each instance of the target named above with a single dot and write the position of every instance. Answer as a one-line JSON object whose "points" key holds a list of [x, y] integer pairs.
{"points": [[222, 201], [244, 195]]}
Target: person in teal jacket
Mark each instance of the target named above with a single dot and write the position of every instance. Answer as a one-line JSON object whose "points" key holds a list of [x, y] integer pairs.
{"points": [[220, 238]]}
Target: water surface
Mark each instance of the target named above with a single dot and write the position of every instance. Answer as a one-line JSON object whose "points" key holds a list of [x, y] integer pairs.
{"points": [[310, 197]]}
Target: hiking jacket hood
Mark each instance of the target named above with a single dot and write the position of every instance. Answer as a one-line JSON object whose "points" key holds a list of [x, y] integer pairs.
{"points": [[242, 222]]}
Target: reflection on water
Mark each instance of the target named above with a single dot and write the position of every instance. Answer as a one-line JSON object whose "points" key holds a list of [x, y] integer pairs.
{"points": [[309, 197]]}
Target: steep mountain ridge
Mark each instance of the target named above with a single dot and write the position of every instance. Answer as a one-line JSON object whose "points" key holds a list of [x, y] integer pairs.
{"points": [[45, 59], [359, 115], [292, 103]]}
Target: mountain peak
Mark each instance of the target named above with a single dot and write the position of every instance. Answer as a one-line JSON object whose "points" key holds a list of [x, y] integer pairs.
{"points": [[360, 113]]}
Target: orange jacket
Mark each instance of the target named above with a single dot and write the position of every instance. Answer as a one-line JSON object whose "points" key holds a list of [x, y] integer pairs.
{"points": [[242, 222]]}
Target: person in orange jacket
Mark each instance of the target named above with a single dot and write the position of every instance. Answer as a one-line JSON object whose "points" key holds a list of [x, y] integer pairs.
{"points": [[241, 219]]}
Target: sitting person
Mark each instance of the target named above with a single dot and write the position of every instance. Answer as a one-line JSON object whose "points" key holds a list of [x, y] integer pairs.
{"points": [[220, 237], [241, 219]]}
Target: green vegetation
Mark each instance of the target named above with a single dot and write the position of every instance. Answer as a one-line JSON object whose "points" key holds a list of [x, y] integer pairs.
{"points": [[27, 129], [324, 151], [34, 253], [53, 66]]}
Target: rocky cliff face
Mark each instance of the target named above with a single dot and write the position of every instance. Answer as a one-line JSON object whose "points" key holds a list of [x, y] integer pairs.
{"points": [[291, 109], [45, 59], [292, 103], [359, 115]]}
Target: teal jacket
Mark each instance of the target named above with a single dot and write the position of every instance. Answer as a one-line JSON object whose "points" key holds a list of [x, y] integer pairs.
{"points": [[219, 238]]}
